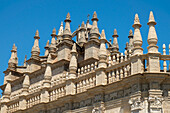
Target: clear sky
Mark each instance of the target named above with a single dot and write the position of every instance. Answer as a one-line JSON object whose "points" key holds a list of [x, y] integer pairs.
{"points": [[19, 19]]}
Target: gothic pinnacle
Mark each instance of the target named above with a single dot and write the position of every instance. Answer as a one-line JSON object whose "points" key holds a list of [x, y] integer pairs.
{"points": [[130, 33], [13, 61], [115, 42], [73, 60], [152, 36], [102, 51], [136, 21], [137, 38], [60, 31], [67, 32], [103, 36], [83, 25], [35, 49], [151, 18], [95, 16], [53, 32]]}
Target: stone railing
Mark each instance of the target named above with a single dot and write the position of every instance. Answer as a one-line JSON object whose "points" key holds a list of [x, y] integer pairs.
{"points": [[13, 106], [57, 92], [85, 83], [119, 67], [85, 69], [33, 100]]}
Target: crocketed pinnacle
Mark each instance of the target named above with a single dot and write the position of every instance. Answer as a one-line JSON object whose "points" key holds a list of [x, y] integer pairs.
{"points": [[130, 44], [94, 16], [7, 90], [68, 16], [83, 25], [152, 36], [37, 33], [53, 32]]}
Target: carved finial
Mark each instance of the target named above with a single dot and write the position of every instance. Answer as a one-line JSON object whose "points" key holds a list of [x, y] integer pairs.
{"points": [[60, 31], [136, 20], [47, 44], [130, 33], [37, 33], [94, 14], [115, 32], [74, 48], [103, 35], [68, 16], [83, 25], [14, 48], [54, 31], [151, 18]]}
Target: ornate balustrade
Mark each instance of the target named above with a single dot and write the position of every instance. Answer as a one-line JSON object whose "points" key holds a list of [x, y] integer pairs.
{"points": [[33, 100], [13, 106]]}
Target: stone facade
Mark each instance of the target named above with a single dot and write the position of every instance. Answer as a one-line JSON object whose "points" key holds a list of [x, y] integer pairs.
{"points": [[84, 76]]}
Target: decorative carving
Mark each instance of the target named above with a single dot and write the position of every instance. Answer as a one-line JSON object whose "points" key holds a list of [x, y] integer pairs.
{"points": [[136, 103], [155, 102]]}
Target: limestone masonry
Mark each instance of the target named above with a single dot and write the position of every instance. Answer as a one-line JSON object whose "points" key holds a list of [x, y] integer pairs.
{"points": [[84, 76]]}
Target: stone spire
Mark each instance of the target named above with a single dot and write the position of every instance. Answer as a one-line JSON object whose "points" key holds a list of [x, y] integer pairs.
{"points": [[13, 61], [94, 32], [115, 42], [137, 38], [102, 51], [7, 90], [67, 32], [130, 45], [60, 33], [35, 49], [73, 61], [47, 48], [82, 38], [25, 61], [152, 36], [53, 43]]}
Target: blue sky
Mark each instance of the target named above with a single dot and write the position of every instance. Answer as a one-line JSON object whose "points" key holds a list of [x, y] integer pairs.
{"points": [[19, 19]]}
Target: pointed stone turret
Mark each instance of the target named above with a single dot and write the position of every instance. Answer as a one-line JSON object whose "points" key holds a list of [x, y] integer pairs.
{"points": [[152, 36], [25, 61], [67, 32], [94, 32], [47, 48], [115, 42], [102, 51], [13, 61], [82, 38], [53, 42], [73, 61], [60, 33], [137, 38], [35, 49], [130, 45]]}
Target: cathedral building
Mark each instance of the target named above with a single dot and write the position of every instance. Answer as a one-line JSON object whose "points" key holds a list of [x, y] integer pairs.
{"points": [[85, 76]]}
